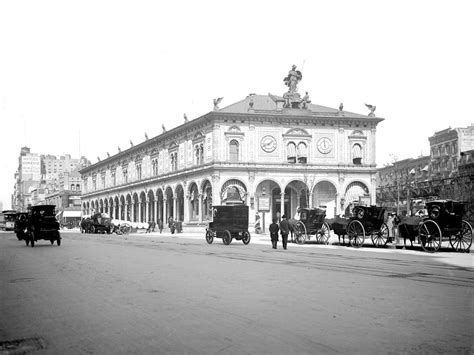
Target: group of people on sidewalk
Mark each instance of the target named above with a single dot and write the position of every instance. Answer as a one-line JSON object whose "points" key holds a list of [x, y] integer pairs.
{"points": [[283, 228]]}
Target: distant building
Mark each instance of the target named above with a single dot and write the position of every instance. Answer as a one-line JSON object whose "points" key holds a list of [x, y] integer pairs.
{"points": [[38, 176], [27, 176], [445, 173], [446, 147]]}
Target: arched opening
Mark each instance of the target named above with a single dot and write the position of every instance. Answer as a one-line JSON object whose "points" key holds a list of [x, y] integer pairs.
{"points": [[169, 203], [324, 195], [179, 203], [193, 202], [142, 207], [207, 201], [151, 206], [354, 192], [234, 192]]}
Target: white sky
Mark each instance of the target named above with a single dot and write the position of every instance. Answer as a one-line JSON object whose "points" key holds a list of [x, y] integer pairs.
{"points": [[83, 77]]}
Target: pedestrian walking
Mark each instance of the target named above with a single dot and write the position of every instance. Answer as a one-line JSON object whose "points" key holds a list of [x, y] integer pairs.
{"points": [[274, 233], [284, 231], [160, 225], [151, 226], [395, 223]]}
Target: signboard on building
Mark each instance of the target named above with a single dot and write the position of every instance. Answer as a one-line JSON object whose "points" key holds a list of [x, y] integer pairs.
{"points": [[264, 204]]}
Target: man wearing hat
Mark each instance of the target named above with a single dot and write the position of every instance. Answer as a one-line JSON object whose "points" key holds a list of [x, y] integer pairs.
{"points": [[284, 230]]}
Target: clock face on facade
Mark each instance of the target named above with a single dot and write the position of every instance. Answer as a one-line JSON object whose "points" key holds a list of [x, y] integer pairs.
{"points": [[324, 145], [268, 144]]}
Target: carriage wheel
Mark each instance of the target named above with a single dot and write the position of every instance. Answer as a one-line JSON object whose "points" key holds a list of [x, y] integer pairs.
{"points": [[380, 238], [246, 237], [462, 240], [430, 236], [209, 237], [92, 229], [322, 236], [356, 233], [227, 237], [300, 232]]}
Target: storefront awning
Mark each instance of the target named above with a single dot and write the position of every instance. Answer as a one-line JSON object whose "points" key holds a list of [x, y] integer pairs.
{"points": [[72, 214]]}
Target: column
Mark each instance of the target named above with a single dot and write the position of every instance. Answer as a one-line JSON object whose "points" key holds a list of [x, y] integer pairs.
{"points": [[147, 217], [282, 204], [200, 196], [186, 208], [119, 210], [165, 211], [310, 202], [175, 208]]}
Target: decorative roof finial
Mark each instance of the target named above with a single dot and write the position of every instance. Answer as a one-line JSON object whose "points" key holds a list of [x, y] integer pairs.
{"points": [[163, 127], [185, 118]]}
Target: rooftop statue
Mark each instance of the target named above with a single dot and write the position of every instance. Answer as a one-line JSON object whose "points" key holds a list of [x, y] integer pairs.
{"points": [[217, 102], [292, 79], [372, 110]]}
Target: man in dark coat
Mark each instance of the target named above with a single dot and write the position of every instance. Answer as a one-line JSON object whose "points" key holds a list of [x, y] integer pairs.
{"points": [[284, 230], [274, 233]]}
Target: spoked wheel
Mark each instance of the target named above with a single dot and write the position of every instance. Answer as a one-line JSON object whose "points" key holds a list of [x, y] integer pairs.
{"points": [[462, 240], [246, 237], [430, 236], [227, 237], [380, 238], [209, 237], [322, 236], [300, 233], [356, 233]]}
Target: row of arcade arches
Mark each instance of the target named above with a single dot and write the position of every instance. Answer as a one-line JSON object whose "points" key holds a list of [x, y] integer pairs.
{"points": [[193, 203]]}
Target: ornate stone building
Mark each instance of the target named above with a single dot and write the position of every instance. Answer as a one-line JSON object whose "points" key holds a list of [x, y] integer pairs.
{"points": [[272, 153]]}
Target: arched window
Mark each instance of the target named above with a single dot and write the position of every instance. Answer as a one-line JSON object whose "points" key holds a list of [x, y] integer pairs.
{"points": [[78, 187], [233, 150], [72, 187], [357, 154], [302, 153], [291, 152]]}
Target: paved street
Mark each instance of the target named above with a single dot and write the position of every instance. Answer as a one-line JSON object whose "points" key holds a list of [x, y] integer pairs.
{"points": [[108, 294]]}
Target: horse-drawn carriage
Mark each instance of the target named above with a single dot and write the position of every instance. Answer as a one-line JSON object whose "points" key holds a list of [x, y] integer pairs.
{"points": [[367, 220], [444, 222], [97, 223], [229, 222], [311, 223]]}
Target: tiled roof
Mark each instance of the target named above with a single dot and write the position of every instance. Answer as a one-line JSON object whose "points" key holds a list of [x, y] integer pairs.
{"points": [[265, 104]]}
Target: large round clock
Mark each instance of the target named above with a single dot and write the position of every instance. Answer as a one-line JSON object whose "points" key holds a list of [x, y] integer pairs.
{"points": [[268, 144], [324, 145]]}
